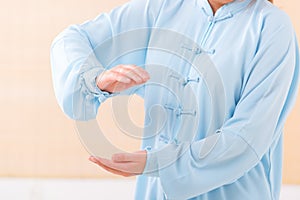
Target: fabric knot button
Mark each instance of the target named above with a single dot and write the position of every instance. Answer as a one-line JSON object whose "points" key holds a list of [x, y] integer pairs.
{"points": [[188, 80], [210, 18], [196, 50], [178, 112]]}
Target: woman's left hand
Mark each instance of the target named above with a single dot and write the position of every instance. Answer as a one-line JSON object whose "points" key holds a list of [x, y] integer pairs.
{"points": [[123, 164]]}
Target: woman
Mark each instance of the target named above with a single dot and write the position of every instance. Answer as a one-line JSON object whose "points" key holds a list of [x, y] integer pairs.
{"points": [[253, 54]]}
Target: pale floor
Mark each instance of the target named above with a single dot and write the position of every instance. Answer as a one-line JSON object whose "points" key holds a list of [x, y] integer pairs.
{"points": [[53, 189]]}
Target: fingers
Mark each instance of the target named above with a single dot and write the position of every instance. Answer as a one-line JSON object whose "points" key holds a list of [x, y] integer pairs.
{"points": [[115, 166], [122, 77], [132, 72], [121, 168], [119, 77], [113, 171], [123, 157], [129, 74], [129, 157], [143, 74]]}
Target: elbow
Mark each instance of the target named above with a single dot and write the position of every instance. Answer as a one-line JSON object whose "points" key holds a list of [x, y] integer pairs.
{"points": [[78, 108], [77, 105], [65, 104], [67, 108], [73, 98]]}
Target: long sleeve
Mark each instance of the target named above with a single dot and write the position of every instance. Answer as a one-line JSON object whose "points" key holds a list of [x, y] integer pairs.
{"points": [[269, 92], [76, 61]]}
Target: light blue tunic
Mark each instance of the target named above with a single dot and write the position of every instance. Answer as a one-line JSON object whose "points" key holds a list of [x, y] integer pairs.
{"points": [[249, 77]]}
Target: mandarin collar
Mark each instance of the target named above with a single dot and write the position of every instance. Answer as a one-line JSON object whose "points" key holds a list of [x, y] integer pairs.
{"points": [[226, 11]]}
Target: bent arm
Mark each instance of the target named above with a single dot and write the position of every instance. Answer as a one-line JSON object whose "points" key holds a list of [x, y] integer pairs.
{"points": [[75, 60]]}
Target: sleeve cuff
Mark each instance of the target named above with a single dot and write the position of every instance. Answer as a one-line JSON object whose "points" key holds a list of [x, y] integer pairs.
{"points": [[151, 167], [89, 79]]}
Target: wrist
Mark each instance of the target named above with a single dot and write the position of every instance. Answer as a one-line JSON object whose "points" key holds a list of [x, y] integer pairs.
{"points": [[99, 83]]}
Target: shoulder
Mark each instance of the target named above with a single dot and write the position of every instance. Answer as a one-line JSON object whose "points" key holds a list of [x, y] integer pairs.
{"points": [[272, 19], [151, 6]]}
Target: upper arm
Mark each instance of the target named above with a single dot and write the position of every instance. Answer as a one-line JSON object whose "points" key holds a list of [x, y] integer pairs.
{"points": [[78, 56]]}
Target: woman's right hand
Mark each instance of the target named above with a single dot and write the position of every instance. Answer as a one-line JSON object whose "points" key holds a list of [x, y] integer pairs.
{"points": [[121, 77]]}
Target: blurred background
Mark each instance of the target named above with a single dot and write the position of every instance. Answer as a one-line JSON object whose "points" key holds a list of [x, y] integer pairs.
{"points": [[38, 143]]}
